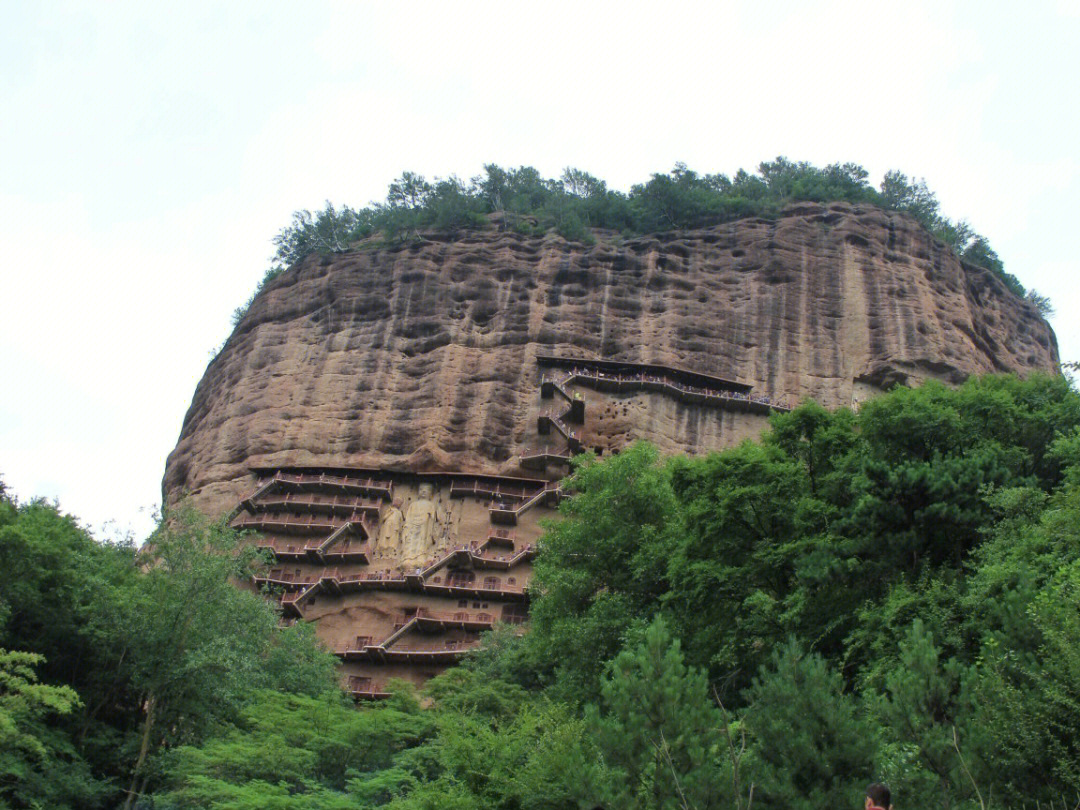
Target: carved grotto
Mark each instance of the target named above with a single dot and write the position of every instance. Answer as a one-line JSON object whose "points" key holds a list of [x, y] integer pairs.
{"points": [[392, 423]]}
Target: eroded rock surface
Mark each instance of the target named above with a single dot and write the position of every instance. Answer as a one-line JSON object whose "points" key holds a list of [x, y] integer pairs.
{"points": [[423, 358]]}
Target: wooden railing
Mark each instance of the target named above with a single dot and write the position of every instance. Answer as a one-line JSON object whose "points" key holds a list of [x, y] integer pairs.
{"points": [[366, 689], [540, 458], [330, 546], [477, 557], [575, 411], [459, 619], [486, 489], [383, 488], [316, 502], [285, 579], [500, 537], [700, 394], [289, 523]]}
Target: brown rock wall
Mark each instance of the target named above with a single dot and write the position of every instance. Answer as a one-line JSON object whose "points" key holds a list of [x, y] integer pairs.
{"points": [[423, 357]]}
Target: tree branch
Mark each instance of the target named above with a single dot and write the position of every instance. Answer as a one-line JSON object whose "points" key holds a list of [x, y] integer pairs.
{"points": [[956, 745]]}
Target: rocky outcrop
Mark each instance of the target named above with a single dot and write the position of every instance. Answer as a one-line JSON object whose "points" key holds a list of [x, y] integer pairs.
{"points": [[423, 357]]}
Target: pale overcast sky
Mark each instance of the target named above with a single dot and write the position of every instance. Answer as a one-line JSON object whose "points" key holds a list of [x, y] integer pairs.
{"points": [[149, 152]]}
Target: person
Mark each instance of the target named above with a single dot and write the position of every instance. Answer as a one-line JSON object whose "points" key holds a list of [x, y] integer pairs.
{"points": [[878, 797]]}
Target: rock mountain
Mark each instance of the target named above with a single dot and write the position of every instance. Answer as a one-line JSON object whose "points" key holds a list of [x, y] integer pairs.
{"points": [[435, 388]]}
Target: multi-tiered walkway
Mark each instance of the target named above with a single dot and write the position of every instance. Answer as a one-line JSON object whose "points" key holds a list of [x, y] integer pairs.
{"points": [[688, 386], [320, 526], [618, 377]]}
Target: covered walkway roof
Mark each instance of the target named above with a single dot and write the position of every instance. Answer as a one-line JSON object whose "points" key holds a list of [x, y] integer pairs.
{"points": [[621, 367]]}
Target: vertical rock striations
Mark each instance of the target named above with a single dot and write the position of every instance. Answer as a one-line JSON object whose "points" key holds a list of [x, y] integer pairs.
{"points": [[389, 420], [423, 357]]}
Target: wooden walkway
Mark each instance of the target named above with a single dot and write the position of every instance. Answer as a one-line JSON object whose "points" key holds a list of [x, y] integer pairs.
{"points": [[393, 649], [320, 527], [697, 395]]}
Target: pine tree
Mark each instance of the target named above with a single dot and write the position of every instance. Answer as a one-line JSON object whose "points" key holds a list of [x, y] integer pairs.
{"points": [[919, 711], [810, 746], [659, 730]]}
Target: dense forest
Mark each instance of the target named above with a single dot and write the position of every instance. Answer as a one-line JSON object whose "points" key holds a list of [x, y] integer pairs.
{"points": [[576, 204], [888, 595]]}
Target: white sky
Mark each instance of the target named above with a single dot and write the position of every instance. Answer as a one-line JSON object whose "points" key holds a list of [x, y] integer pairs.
{"points": [[149, 152]]}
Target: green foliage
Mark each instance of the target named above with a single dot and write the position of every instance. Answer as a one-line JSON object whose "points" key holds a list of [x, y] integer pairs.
{"points": [[659, 729], [812, 747], [35, 763], [1020, 606], [730, 572], [889, 594], [603, 564], [465, 690], [925, 547], [918, 711], [289, 750], [479, 744], [200, 645], [540, 756], [494, 746], [58, 600], [294, 661], [161, 649], [1040, 302], [328, 231], [576, 203]]}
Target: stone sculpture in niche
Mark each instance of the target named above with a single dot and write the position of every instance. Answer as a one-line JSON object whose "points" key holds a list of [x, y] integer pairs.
{"points": [[389, 539], [423, 527]]}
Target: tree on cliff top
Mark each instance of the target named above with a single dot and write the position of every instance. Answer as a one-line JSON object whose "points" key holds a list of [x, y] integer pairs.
{"points": [[576, 202]]}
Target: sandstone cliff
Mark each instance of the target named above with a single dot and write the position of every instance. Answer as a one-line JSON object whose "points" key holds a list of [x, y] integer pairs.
{"points": [[423, 357]]}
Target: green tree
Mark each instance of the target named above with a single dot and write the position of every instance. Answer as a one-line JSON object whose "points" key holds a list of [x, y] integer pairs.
{"points": [[410, 191], [576, 202], [32, 770], [659, 729], [603, 564], [811, 747], [540, 756], [910, 196], [731, 569], [679, 200], [288, 750], [405, 211], [62, 598], [919, 711], [453, 207], [496, 746], [328, 231], [199, 644], [1041, 302], [1023, 700]]}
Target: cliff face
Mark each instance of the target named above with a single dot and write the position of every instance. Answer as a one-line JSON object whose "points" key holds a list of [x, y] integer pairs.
{"points": [[424, 358]]}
